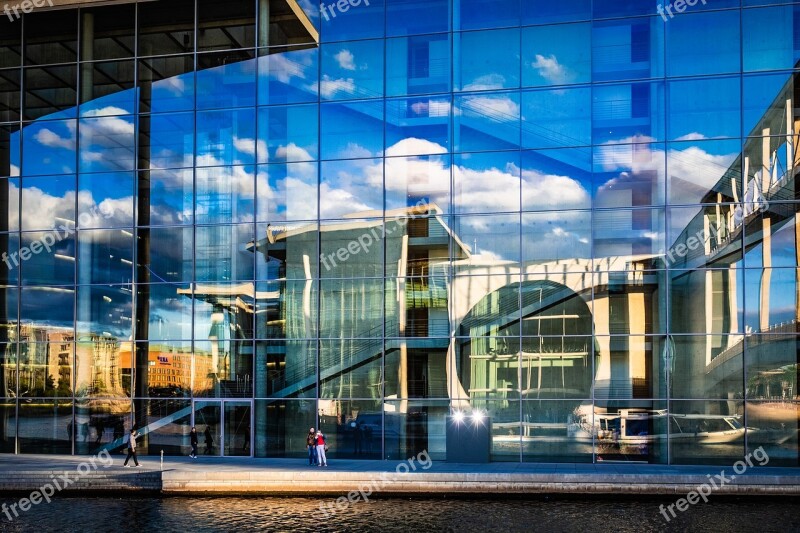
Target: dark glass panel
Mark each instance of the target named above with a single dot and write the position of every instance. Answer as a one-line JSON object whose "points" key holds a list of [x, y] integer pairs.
{"points": [[51, 37], [286, 369], [50, 92], [225, 26], [707, 432], [556, 431], [166, 27], [346, 422], [107, 88], [276, 427], [10, 94], [10, 43], [111, 30], [166, 84], [46, 427]]}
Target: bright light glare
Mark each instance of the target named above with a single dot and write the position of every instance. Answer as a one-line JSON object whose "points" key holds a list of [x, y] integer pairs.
{"points": [[477, 416], [458, 416]]}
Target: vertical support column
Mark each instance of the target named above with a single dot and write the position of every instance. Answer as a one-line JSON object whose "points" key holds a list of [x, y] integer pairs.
{"points": [[766, 244], [402, 371], [87, 54], [263, 23]]}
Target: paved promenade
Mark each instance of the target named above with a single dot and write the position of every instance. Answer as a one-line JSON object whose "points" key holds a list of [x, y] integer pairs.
{"points": [[23, 474]]}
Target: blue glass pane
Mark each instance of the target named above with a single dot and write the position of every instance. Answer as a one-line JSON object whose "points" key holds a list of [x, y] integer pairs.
{"points": [[418, 126], [287, 192], [623, 8], [288, 133], [351, 186], [697, 169], [771, 39], [171, 139], [703, 43], [287, 76], [486, 183], [411, 180], [48, 202], [107, 143], [478, 14], [165, 84], [226, 138], [351, 130], [487, 60], [557, 179], [556, 55], [225, 195], [546, 11], [49, 147], [631, 112], [105, 200], [345, 20], [763, 97], [228, 85], [627, 49], [629, 175], [693, 118], [409, 17], [418, 65], [171, 198], [488, 121], [352, 70], [557, 117]]}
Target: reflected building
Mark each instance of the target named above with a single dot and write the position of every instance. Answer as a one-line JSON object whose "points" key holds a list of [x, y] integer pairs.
{"points": [[256, 220]]}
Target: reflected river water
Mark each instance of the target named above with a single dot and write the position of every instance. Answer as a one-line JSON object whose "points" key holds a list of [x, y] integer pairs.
{"points": [[166, 515]]}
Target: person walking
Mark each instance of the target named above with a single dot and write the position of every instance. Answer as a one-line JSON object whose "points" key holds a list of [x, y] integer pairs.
{"points": [[132, 449], [193, 439], [322, 459], [311, 444], [209, 440]]}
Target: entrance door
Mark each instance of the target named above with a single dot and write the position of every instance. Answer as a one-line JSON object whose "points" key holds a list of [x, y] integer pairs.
{"points": [[224, 427]]}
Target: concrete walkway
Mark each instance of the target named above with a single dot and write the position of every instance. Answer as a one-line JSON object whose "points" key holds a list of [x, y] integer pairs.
{"points": [[281, 477]]}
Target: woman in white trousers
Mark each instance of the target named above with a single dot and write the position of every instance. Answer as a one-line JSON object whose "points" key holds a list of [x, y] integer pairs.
{"points": [[322, 460]]}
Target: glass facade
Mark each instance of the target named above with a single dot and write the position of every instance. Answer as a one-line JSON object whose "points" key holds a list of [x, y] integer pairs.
{"points": [[580, 220]]}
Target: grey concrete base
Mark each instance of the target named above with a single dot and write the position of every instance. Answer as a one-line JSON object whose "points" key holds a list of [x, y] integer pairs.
{"points": [[291, 477]]}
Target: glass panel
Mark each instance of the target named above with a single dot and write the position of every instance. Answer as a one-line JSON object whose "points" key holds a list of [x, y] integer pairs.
{"points": [[630, 431], [107, 143], [622, 234], [403, 16], [558, 117], [351, 188], [709, 302], [50, 92], [100, 424], [707, 172], [343, 21], [225, 26], [112, 29], [556, 179], [544, 11], [487, 60], [350, 130], [627, 49], [556, 55], [287, 192], [474, 14], [57, 193], [286, 252], [9, 151], [504, 417], [168, 422], [168, 256], [105, 256], [104, 311], [280, 427], [352, 70], [486, 183], [341, 421], [416, 368], [57, 139], [707, 236], [8, 425], [237, 429], [221, 253], [772, 432], [622, 8], [208, 421], [110, 197], [628, 113], [169, 367], [46, 427], [703, 43], [475, 115], [706, 366], [106, 88], [775, 48], [225, 195], [10, 95], [692, 118], [10, 43], [166, 29], [415, 181], [562, 238], [351, 308], [706, 432], [51, 37], [55, 266], [287, 134], [167, 310], [629, 175], [286, 369], [418, 65], [285, 309], [288, 75], [171, 197], [772, 364], [555, 431], [226, 80], [416, 431], [351, 367], [44, 312], [417, 126], [45, 362], [166, 84], [226, 138]]}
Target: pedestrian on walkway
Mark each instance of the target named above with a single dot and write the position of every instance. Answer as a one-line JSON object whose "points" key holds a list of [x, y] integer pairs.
{"points": [[322, 447], [193, 439], [132, 449], [311, 444]]}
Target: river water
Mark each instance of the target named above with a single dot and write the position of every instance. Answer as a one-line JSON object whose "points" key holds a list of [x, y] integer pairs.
{"points": [[166, 515]]}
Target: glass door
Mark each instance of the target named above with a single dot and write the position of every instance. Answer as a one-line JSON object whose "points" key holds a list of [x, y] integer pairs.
{"points": [[208, 421], [237, 428]]}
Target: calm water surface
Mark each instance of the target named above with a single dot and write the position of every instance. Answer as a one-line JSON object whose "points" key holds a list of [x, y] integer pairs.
{"points": [[164, 515]]}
